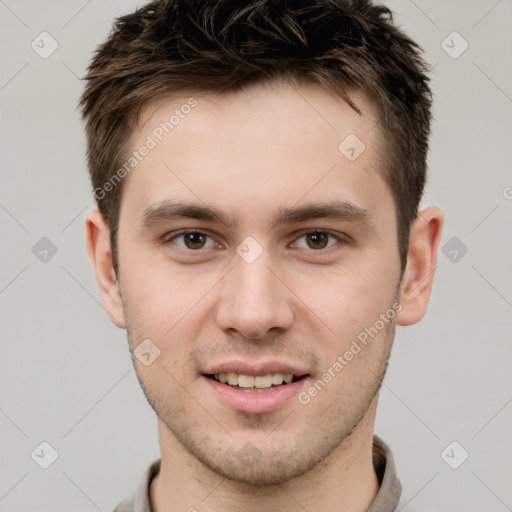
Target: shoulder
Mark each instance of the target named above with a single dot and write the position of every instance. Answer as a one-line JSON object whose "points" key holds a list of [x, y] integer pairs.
{"points": [[127, 505], [139, 501]]}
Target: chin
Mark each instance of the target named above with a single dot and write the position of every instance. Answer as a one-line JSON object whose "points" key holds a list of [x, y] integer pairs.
{"points": [[268, 470]]}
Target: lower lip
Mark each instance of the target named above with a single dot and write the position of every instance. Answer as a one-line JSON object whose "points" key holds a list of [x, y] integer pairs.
{"points": [[255, 401]]}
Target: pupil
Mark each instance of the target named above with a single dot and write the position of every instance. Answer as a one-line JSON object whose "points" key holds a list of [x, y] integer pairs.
{"points": [[317, 240], [194, 240]]}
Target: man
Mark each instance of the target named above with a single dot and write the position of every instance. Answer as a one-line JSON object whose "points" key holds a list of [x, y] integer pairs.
{"points": [[258, 169]]}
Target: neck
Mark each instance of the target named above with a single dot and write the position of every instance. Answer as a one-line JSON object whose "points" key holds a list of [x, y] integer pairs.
{"points": [[345, 480]]}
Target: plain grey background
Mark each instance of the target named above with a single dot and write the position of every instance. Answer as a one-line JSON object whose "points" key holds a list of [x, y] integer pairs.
{"points": [[66, 376]]}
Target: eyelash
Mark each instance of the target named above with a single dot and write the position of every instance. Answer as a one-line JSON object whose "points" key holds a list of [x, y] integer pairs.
{"points": [[340, 238]]}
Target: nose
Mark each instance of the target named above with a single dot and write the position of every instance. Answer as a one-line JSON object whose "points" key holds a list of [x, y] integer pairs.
{"points": [[254, 300]]}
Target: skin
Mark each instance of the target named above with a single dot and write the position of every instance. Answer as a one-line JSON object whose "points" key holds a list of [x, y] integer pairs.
{"points": [[249, 154]]}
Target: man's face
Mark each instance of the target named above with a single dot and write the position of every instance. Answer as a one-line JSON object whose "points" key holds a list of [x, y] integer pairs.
{"points": [[246, 295]]}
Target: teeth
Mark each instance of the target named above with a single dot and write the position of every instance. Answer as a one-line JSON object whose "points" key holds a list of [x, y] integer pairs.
{"points": [[245, 381], [249, 381], [263, 381], [277, 378]]}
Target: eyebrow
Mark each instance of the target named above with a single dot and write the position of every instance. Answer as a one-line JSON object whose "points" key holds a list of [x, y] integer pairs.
{"points": [[342, 211]]}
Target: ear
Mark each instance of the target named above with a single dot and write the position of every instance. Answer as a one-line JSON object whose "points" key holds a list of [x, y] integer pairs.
{"points": [[99, 250], [421, 262]]}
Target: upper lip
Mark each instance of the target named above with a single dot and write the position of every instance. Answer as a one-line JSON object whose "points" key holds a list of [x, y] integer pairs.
{"points": [[256, 368]]}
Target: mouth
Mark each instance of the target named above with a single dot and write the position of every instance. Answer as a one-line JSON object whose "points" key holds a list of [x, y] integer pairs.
{"points": [[255, 383], [254, 387]]}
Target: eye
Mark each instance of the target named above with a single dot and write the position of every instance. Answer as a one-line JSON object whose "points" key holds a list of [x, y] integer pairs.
{"points": [[317, 240], [192, 240]]}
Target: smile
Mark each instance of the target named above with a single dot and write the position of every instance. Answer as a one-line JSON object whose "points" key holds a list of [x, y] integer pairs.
{"points": [[254, 394], [254, 382]]}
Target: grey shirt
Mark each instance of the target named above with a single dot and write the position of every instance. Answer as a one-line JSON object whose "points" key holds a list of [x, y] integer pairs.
{"points": [[386, 500]]}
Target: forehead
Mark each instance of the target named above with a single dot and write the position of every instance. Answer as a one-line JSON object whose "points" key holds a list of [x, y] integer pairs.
{"points": [[265, 112], [267, 143]]}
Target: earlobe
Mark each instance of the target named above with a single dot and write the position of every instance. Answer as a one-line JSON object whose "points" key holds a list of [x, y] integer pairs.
{"points": [[100, 253], [421, 263]]}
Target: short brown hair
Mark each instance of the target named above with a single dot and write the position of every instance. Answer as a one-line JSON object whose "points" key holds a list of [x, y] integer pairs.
{"points": [[190, 46]]}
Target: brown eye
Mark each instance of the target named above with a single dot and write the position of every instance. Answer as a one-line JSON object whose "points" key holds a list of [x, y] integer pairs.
{"points": [[317, 240], [191, 240], [194, 240]]}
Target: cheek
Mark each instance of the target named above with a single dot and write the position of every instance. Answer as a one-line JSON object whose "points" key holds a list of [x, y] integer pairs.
{"points": [[166, 305], [350, 299], [154, 300]]}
